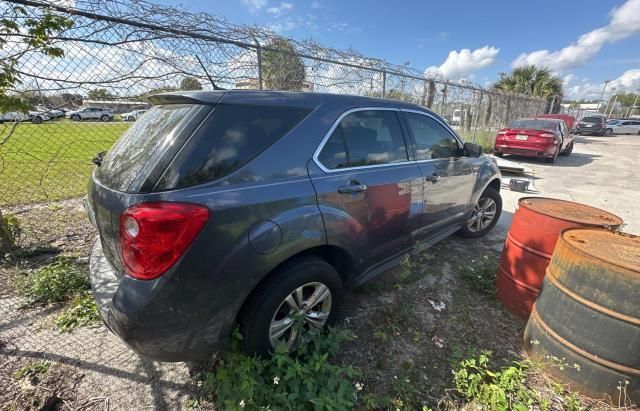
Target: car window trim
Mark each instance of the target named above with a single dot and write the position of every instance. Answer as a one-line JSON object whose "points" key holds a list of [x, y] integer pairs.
{"points": [[446, 127], [337, 123]]}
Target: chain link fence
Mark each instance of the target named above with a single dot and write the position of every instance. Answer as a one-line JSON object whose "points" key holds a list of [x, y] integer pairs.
{"points": [[119, 53]]}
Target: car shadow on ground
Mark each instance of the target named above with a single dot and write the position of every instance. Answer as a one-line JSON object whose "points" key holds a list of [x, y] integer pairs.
{"points": [[574, 160]]}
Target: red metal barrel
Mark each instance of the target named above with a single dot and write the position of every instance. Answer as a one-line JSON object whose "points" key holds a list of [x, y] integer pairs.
{"points": [[530, 241]]}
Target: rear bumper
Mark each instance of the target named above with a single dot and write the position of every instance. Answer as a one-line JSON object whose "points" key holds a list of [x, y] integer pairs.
{"points": [[541, 152], [590, 130], [153, 317]]}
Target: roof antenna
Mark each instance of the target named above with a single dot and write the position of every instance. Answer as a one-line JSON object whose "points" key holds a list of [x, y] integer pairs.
{"points": [[215, 87]]}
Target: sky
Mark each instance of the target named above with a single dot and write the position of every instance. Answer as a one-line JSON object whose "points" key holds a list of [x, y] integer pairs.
{"points": [[584, 42]]}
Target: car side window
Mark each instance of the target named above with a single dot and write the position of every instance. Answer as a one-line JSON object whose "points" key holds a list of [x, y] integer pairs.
{"points": [[432, 139], [365, 138]]}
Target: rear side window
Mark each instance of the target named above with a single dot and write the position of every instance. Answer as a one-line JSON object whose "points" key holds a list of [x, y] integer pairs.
{"points": [[431, 138], [592, 119], [228, 139], [365, 138], [128, 156]]}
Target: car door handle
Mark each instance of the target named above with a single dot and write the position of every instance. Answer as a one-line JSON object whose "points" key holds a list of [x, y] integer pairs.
{"points": [[352, 188], [433, 177]]}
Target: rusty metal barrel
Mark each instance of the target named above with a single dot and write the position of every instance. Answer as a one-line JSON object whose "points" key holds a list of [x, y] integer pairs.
{"points": [[530, 241], [585, 325]]}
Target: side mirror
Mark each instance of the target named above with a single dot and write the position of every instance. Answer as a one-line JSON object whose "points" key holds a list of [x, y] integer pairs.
{"points": [[472, 150]]}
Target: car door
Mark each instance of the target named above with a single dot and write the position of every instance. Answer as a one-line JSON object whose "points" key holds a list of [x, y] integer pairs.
{"points": [[448, 176], [635, 127], [369, 190]]}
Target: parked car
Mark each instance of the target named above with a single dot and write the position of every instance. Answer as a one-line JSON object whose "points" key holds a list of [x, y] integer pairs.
{"points": [[622, 127], [15, 116], [90, 113], [132, 115], [535, 137], [50, 112], [591, 125], [569, 121], [258, 208]]}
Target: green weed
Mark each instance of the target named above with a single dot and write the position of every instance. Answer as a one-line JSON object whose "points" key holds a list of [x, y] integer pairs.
{"points": [[81, 311], [480, 274], [32, 370], [56, 282]]}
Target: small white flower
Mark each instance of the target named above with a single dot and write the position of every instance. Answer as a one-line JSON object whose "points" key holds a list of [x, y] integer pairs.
{"points": [[276, 380], [242, 404], [359, 386]]}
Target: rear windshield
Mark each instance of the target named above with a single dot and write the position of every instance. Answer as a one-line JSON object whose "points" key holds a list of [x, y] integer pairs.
{"points": [[592, 119], [535, 124], [127, 157], [228, 139]]}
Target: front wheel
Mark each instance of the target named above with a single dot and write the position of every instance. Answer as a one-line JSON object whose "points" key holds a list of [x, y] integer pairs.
{"points": [[37, 120], [302, 295], [499, 155], [104, 118], [567, 151], [75, 117], [608, 132], [485, 215]]}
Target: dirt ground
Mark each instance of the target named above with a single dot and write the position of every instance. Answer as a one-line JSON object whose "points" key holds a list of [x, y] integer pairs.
{"points": [[411, 325]]}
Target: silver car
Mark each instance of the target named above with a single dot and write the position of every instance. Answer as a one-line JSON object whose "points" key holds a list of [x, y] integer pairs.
{"points": [[623, 127], [90, 113]]}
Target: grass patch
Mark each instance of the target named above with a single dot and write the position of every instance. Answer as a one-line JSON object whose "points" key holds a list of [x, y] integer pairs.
{"points": [[51, 161], [485, 138], [81, 311], [480, 274], [32, 370], [305, 380], [56, 282]]}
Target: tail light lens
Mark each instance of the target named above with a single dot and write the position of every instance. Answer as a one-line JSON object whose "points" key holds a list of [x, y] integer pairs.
{"points": [[547, 135], [153, 236]]}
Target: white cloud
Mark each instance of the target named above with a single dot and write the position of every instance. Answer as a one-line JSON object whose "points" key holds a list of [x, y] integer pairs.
{"points": [[624, 22], [315, 4], [281, 9], [629, 81], [462, 63], [255, 5]]}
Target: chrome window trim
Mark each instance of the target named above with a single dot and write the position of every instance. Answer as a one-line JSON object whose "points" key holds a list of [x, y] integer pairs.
{"points": [[335, 125]]}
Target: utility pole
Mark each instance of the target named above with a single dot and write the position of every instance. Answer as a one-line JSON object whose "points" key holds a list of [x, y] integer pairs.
{"points": [[606, 109], [635, 102], [603, 88]]}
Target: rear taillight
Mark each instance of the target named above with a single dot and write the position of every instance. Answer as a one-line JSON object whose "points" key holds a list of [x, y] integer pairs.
{"points": [[547, 135], [502, 132], [153, 236]]}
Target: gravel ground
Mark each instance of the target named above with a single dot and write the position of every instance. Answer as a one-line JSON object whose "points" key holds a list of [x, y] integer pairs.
{"points": [[410, 324]]}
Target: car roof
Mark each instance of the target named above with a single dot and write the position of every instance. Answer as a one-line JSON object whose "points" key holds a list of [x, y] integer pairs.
{"points": [[555, 120], [289, 98]]}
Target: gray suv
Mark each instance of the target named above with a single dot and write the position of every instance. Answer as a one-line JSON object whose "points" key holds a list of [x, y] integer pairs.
{"points": [[256, 209]]}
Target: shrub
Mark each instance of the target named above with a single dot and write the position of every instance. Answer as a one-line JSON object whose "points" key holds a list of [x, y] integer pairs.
{"points": [[304, 380], [82, 311], [56, 282]]}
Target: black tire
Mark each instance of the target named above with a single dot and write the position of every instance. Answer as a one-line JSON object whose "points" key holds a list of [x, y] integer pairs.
{"points": [[567, 151], [494, 195], [499, 155], [551, 160], [104, 118], [76, 117], [608, 132], [264, 304], [36, 120]]}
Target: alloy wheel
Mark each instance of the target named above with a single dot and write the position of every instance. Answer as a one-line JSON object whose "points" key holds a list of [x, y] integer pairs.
{"points": [[484, 213], [308, 306]]}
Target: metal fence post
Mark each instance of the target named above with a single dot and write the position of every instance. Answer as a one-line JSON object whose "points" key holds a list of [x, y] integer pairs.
{"points": [[259, 51], [384, 83], [475, 128]]}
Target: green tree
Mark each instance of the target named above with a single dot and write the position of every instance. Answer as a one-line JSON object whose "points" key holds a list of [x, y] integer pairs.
{"points": [[190, 83], [282, 69], [37, 33], [100, 94], [533, 81]]}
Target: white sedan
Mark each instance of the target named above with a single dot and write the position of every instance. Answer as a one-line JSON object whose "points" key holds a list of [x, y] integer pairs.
{"points": [[132, 115], [623, 127]]}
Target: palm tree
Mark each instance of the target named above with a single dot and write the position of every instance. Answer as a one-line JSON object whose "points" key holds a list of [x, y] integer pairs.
{"points": [[533, 81]]}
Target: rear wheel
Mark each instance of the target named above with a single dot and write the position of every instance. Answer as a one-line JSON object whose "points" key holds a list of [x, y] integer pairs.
{"points": [[567, 151], [485, 215], [608, 132], [37, 120], [552, 160], [499, 155], [304, 294], [75, 117], [104, 117]]}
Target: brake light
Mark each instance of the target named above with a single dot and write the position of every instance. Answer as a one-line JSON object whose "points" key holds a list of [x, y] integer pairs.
{"points": [[547, 135], [153, 236]]}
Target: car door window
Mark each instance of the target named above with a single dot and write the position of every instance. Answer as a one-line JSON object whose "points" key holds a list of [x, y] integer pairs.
{"points": [[432, 139], [365, 138]]}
